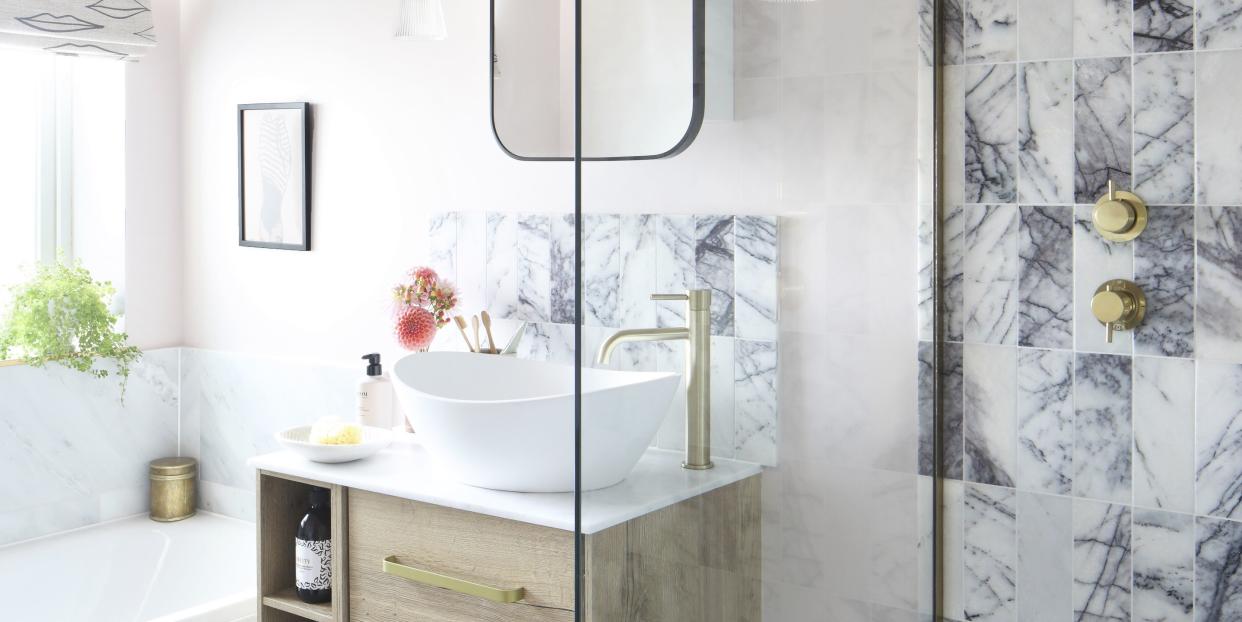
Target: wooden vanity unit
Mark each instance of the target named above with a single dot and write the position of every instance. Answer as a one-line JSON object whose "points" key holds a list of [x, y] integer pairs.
{"points": [[666, 544]]}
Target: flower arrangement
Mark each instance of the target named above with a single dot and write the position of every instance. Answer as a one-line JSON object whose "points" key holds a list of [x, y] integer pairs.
{"points": [[421, 307]]}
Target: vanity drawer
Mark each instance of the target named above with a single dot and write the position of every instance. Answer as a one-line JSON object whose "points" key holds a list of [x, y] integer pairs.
{"points": [[481, 549]]}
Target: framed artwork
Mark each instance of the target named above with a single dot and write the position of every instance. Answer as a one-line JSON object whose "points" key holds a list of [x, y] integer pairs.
{"points": [[274, 175]]}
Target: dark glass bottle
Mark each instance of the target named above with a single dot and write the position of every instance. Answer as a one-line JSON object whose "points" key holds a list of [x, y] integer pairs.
{"points": [[313, 550]]}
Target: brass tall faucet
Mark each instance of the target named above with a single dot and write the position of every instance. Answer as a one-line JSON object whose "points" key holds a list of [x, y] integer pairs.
{"points": [[698, 336]]}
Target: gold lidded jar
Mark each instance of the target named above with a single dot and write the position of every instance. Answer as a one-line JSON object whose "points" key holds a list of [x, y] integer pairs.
{"points": [[172, 488]]}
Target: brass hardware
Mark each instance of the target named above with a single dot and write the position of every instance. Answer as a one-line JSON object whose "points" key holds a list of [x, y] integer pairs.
{"points": [[1119, 216], [1118, 305], [461, 586], [698, 335], [172, 488]]}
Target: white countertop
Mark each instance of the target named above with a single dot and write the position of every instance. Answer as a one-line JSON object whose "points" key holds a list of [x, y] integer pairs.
{"points": [[405, 470]]}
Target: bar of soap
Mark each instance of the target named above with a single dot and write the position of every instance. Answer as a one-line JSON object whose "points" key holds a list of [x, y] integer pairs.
{"points": [[333, 431]]}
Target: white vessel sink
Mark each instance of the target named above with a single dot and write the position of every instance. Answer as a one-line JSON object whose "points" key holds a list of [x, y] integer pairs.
{"points": [[508, 424]]}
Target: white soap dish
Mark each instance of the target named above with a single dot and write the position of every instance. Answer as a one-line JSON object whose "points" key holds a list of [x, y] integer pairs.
{"points": [[296, 439]]}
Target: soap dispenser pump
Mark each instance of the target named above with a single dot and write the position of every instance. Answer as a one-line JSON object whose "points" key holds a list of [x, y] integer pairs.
{"points": [[375, 395]]}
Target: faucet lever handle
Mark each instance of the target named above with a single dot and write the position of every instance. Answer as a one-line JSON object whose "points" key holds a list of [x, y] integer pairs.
{"points": [[681, 297]]}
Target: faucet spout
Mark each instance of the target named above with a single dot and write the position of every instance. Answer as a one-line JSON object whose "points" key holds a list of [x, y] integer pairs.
{"points": [[638, 334]]}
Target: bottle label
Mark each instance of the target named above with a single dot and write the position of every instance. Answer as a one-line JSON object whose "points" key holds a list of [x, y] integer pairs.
{"points": [[313, 559]]}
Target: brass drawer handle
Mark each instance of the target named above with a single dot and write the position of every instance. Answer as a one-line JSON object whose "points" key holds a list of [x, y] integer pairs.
{"points": [[461, 586]]}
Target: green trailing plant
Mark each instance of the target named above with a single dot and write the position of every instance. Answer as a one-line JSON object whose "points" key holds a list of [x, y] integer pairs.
{"points": [[61, 316]]}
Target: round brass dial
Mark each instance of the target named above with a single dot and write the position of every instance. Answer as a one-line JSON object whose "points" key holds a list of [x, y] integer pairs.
{"points": [[1119, 216], [1118, 305], [1110, 306]]}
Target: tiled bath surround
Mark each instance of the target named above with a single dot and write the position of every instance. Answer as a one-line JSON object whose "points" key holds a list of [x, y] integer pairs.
{"points": [[1100, 481], [520, 267]]}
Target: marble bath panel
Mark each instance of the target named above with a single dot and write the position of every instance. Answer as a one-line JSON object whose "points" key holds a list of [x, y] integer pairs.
{"points": [[1102, 561], [1046, 277], [991, 133], [990, 274], [1219, 24], [990, 554], [990, 34], [1218, 314], [1164, 128], [1218, 432], [1046, 29], [756, 273], [1095, 261], [1102, 428], [1046, 132], [714, 250], [1216, 146], [990, 414], [1218, 576], [953, 430], [1102, 124], [1045, 537], [1164, 557], [1102, 27], [1164, 439], [1164, 25], [1164, 266], [1045, 421]]}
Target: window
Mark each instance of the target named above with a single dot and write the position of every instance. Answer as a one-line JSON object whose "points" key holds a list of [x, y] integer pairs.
{"points": [[62, 164]]}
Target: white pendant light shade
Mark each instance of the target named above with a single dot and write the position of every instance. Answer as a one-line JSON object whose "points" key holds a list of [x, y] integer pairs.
{"points": [[421, 19]]}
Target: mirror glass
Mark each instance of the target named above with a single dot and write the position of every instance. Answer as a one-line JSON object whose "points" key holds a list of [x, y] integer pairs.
{"points": [[642, 77]]}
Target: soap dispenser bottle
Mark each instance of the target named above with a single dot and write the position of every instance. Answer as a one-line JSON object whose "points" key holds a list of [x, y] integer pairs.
{"points": [[312, 554], [375, 395]]}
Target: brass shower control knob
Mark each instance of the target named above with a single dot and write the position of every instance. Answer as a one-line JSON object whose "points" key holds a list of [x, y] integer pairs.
{"points": [[1119, 216], [1118, 305]]}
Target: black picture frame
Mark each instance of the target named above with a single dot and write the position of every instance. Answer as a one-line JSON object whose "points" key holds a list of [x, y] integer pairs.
{"points": [[305, 166]]}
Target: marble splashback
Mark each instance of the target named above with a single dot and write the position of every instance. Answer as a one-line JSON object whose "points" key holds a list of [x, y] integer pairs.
{"points": [[520, 267]]}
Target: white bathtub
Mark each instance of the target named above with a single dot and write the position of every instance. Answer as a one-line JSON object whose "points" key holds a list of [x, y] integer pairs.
{"points": [[135, 570]]}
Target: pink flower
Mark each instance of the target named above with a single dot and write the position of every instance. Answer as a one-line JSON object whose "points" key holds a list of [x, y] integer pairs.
{"points": [[425, 274], [416, 328]]}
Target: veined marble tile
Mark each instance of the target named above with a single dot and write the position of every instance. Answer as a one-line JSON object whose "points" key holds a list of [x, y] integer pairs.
{"points": [[1164, 25], [1096, 261], [1164, 424], [442, 244], [990, 413], [927, 408], [1218, 412], [471, 259], [500, 266], [1045, 579], [1045, 420], [1102, 428], [892, 528], [1216, 107], [1102, 561], [1045, 283], [1218, 318], [954, 133], [1164, 128], [954, 25], [954, 305], [723, 389], [562, 268], [927, 33], [1218, 576], [756, 271], [991, 31], [953, 430], [714, 260], [991, 133], [638, 270], [927, 269], [675, 266], [755, 401], [1164, 555], [1102, 123], [953, 507], [1046, 131], [1164, 266], [990, 269], [1219, 24], [534, 269], [601, 269], [991, 557], [1046, 29], [1102, 28]]}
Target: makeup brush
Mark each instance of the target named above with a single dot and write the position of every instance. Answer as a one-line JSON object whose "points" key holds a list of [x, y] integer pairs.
{"points": [[461, 325], [487, 326]]}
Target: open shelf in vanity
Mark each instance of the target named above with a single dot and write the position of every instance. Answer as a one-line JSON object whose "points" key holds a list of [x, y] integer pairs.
{"points": [[282, 501]]}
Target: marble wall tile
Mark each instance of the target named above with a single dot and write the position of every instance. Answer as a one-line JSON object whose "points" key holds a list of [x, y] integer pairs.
{"points": [[442, 244], [991, 268], [561, 233], [953, 508], [1219, 24], [954, 23], [1045, 420], [471, 260], [953, 428], [1045, 537], [675, 265], [1046, 29], [1102, 427], [953, 160], [990, 413], [1102, 561], [991, 31], [638, 270], [1164, 128], [756, 39], [713, 262], [927, 272], [990, 556], [500, 266], [1164, 554], [1046, 132], [1218, 313], [991, 133], [1164, 266], [756, 272], [1218, 576], [1164, 25], [1164, 443], [953, 290], [601, 269], [1045, 283], [1102, 123], [755, 401], [723, 407], [1216, 146], [1218, 433], [927, 408], [1102, 27], [1095, 261], [534, 270]]}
